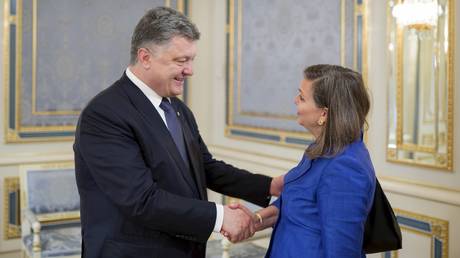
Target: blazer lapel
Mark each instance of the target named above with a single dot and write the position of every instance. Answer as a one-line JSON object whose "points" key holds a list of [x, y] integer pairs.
{"points": [[148, 111], [302, 168]]}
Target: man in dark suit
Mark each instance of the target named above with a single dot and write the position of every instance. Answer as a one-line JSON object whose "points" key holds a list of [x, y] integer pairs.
{"points": [[142, 167]]}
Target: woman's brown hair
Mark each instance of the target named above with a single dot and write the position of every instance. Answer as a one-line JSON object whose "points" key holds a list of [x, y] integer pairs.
{"points": [[342, 92]]}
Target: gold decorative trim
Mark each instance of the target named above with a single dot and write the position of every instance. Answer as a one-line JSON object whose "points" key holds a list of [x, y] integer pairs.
{"points": [[28, 129], [416, 147], [11, 231], [57, 217], [49, 165], [277, 132], [450, 85], [230, 30], [231, 61], [439, 229], [34, 69], [50, 217], [358, 10], [391, 156], [6, 64], [14, 135], [393, 254], [283, 135], [442, 161], [264, 114], [181, 6], [18, 74]]}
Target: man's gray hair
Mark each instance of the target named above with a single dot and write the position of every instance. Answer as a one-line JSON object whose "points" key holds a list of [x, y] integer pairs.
{"points": [[158, 26]]}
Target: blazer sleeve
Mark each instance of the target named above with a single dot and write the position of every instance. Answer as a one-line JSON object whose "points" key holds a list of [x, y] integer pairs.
{"points": [[229, 180], [343, 201], [114, 157]]}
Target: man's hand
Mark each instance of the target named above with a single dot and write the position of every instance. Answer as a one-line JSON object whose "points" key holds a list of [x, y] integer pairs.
{"points": [[266, 217], [276, 186], [238, 225]]}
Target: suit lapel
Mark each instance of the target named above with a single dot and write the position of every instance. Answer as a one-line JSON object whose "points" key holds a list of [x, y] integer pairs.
{"points": [[193, 152], [150, 114]]}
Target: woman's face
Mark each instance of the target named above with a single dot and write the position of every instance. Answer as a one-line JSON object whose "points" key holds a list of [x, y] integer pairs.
{"points": [[309, 115]]}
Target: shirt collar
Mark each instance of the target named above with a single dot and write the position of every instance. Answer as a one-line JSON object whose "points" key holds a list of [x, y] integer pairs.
{"points": [[148, 92]]}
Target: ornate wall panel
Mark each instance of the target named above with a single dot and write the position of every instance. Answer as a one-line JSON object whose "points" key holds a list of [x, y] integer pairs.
{"points": [[421, 89], [58, 55], [269, 43], [435, 231], [11, 212]]}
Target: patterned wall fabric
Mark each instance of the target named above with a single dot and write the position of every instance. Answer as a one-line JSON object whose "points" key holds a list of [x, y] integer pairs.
{"points": [[270, 43], [52, 191], [82, 47], [279, 40], [69, 51]]}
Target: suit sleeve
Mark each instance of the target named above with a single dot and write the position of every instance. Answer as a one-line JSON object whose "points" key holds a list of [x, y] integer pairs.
{"points": [[115, 160], [229, 180], [343, 202]]}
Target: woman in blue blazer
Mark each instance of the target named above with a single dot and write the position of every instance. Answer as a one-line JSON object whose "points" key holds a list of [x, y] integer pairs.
{"points": [[327, 196]]}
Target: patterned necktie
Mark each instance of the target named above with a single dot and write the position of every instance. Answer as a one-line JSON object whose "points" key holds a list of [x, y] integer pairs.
{"points": [[174, 128]]}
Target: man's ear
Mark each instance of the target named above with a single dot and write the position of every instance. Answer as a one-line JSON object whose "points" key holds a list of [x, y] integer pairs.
{"points": [[144, 57]]}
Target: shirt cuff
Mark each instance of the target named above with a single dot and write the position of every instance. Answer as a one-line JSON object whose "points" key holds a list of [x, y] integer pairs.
{"points": [[219, 218]]}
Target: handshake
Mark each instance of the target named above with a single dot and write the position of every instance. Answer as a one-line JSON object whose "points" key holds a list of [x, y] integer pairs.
{"points": [[240, 223]]}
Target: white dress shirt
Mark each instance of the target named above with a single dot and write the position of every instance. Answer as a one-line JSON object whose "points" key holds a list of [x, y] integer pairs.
{"points": [[155, 99]]}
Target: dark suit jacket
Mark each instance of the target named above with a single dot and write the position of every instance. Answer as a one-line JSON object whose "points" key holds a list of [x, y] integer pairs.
{"points": [[138, 199]]}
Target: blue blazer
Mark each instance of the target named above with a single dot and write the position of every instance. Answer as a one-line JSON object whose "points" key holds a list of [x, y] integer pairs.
{"points": [[324, 206]]}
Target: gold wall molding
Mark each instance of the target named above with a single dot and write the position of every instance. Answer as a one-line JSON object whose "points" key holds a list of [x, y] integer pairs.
{"points": [[21, 158], [426, 226], [439, 154], [267, 134], [12, 229], [15, 130]]}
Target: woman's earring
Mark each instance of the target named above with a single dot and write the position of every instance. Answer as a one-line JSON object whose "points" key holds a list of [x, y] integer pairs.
{"points": [[320, 122]]}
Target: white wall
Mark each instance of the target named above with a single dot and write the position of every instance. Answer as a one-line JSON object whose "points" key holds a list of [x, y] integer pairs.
{"points": [[425, 193], [422, 194]]}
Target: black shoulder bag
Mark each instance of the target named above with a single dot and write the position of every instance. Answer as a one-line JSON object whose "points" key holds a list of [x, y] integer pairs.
{"points": [[382, 232]]}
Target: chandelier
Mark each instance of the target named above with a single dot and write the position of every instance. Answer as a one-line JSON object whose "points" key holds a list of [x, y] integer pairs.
{"points": [[417, 14]]}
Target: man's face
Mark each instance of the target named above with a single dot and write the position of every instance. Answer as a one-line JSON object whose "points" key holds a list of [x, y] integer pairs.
{"points": [[170, 65]]}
